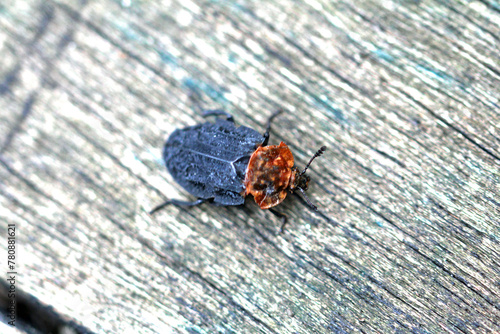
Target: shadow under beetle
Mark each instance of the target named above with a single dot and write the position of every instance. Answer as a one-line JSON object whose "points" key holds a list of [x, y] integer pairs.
{"points": [[222, 164]]}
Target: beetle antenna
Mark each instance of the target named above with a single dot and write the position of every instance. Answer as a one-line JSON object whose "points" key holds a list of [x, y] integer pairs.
{"points": [[317, 154], [307, 200]]}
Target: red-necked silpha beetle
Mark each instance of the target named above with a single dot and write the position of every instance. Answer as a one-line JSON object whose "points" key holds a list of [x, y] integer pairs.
{"points": [[222, 163]]}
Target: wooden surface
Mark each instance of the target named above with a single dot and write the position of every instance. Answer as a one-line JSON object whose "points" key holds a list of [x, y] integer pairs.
{"points": [[405, 95]]}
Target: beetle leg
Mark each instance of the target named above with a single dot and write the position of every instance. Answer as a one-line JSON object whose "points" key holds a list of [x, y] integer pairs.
{"points": [[268, 127], [218, 112], [282, 217], [178, 203]]}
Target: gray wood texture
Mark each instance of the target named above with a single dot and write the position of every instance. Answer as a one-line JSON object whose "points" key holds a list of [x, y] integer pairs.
{"points": [[404, 93]]}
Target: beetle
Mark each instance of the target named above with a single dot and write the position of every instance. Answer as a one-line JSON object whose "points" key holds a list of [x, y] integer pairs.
{"points": [[222, 163]]}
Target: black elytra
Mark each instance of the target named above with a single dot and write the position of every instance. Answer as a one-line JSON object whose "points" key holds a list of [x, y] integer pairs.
{"points": [[211, 161]]}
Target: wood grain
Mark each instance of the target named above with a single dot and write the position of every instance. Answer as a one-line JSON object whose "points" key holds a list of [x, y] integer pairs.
{"points": [[405, 95]]}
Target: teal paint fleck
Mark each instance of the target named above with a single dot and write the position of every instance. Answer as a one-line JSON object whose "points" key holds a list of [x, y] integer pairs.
{"points": [[324, 103], [216, 94], [195, 329], [379, 53], [167, 57], [339, 115], [130, 34], [233, 58], [436, 74], [494, 4]]}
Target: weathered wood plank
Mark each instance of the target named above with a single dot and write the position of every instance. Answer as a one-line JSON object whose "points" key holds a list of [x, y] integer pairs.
{"points": [[403, 93]]}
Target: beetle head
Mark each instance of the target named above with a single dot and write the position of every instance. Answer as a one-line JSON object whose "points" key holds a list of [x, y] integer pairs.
{"points": [[300, 181]]}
